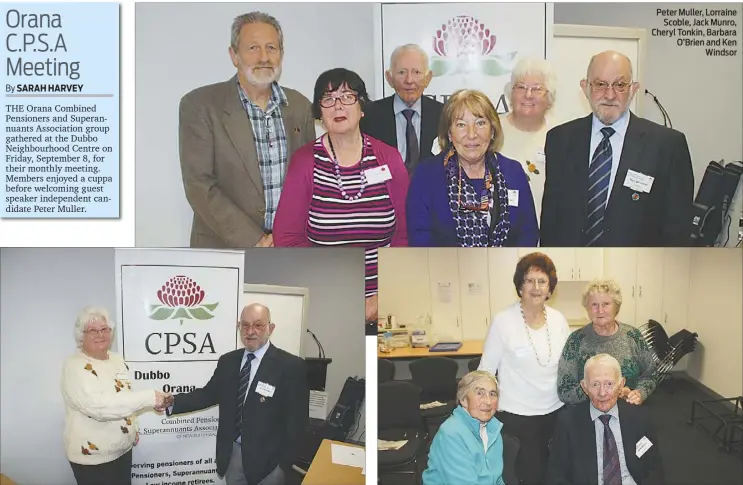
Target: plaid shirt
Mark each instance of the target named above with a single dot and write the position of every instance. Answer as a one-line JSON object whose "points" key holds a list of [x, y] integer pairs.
{"points": [[270, 143]]}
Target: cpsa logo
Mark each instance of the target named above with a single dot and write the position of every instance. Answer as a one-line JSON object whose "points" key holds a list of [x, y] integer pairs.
{"points": [[465, 45], [181, 298]]}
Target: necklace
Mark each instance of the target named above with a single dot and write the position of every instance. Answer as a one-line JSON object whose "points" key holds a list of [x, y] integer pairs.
{"points": [[549, 340], [337, 167]]}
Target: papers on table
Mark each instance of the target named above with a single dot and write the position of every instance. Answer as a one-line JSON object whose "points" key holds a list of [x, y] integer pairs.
{"points": [[318, 405], [431, 405], [347, 455], [383, 445]]}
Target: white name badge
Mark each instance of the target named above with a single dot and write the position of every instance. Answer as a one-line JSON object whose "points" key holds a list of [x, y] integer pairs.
{"points": [[513, 197], [642, 446], [122, 376], [638, 181], [540, 157], [377, 175], [264, 389], [521, 351]]}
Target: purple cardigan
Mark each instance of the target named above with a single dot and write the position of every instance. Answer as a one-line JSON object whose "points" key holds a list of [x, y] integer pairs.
{"points": [[430, 221]]}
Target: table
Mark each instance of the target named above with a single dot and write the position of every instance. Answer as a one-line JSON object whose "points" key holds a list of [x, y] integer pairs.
{"points": [[469, 348], [6, 481], [324, 472]]}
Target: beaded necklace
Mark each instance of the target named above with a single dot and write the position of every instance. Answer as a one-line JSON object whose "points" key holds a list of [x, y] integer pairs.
{"points": [[549, 340], [337, 167]]}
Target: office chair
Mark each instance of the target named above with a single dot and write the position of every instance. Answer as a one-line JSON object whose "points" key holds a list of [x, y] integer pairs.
{"points": [[437, 377], [385, 370], [667, 352], [511, 447], [473, 364], [399, 418]]}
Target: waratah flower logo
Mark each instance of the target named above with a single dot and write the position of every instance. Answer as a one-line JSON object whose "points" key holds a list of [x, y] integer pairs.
{"points": [[181, 298], [463, 44]]}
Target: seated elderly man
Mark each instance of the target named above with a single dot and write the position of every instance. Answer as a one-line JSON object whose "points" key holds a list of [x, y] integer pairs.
{"points": [[468, 448], [604, 438]]}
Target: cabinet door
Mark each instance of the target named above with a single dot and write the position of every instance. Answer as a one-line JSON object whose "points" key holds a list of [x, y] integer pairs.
{"points": [[620, 265], [589, 263], [474, 292], [649, 286], [404, 284], [501, 265], [443, 269], [676, 283], [564, 259]]}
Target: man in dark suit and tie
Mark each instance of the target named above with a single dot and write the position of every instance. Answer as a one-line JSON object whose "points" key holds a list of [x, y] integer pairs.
{"points": [[613, 179], [263, 403], [407, 119], [604, 441]]}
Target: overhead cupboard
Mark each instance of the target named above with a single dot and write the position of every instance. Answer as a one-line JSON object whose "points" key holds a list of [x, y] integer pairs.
{"points": [[454, 292]]}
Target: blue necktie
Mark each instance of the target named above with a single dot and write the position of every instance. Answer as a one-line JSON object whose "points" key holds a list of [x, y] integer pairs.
{"points": [[612, 473], [242, 388], [598, 187], [412, 151]]}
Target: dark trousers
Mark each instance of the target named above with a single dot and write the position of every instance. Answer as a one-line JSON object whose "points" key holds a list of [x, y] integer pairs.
{"points": [[534, 433], [117, 472]]}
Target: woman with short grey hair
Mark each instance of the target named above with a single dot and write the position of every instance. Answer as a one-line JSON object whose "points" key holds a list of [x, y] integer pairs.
{"points": [[530, 95], [468, 447], [100, 405]]}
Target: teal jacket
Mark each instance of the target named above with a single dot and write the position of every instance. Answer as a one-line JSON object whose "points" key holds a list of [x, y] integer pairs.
{"points": [[457, 455]]}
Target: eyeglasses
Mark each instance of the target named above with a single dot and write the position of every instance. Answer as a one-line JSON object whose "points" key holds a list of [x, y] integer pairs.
{"points": [[328, 101], [537, 90], [533, 282], [98, 331], [602, 86], [259, 327]]}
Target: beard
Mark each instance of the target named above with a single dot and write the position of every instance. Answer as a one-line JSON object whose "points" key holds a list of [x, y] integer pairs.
{"points": [[262, 77]]}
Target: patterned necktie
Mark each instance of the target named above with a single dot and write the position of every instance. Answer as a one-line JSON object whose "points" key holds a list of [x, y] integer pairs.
{"points": [[412, 151], [612, 472], [242, 388], [598, 187]]}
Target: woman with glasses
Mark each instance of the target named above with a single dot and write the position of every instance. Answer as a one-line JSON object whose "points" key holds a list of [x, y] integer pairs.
{"points": [[100, 423], [345, 188], [602, 300], [470, 195], [523, 347], [530, 94]]}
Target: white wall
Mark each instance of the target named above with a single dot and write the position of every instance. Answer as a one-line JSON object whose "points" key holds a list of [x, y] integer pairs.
{"points": [[182, 46], [42, 290], [703, 95]]}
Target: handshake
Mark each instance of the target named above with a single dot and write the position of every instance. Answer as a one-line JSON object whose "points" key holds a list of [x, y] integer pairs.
{"points": [[163, 401]]}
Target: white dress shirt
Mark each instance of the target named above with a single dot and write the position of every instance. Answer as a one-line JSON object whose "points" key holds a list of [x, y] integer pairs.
{"points": [[617, 431], [401, 124]]}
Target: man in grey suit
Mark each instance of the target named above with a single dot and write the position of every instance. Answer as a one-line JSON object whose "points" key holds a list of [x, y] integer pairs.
{"points": [[236, 139]]}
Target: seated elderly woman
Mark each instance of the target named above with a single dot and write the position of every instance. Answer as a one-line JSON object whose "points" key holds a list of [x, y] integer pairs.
{"points": [[530, 94], [345, 188], [602, 300], [468, 447], [469, 195], [100, 427]]}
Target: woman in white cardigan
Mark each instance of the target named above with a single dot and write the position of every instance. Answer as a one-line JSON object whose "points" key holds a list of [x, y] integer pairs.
{"points": [[100, 426], [523, 347]]}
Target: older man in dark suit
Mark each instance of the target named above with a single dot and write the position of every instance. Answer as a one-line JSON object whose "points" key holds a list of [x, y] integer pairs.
{"points": [[263, 403], [236, 139], [604, 441], [407, 119], [613, 179]]}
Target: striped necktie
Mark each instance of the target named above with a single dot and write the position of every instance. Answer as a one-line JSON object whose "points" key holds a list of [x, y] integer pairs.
{"points": [[598, 187], [242, 389], [612, 472]]}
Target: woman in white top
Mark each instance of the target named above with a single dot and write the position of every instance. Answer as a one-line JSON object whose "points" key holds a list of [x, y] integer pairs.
{"points": [[530, 94], [100, 427], [523, 347]]}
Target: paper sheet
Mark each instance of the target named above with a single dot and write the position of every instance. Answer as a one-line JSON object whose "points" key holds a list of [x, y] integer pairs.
{"points": [[347, 455], [383, 445], [431, 405], [318, 405]]}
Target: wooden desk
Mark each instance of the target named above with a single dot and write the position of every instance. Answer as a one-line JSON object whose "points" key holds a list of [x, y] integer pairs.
{"points": [[469, 348], [324, 472], [6, 481]]}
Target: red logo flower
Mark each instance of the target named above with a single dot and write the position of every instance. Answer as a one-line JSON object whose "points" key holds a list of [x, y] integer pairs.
{"points": [[180, 298], [463, 36]]}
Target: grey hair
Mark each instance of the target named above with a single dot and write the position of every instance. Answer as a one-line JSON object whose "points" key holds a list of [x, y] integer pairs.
{"points": [[602, 359], [467, 383], [533, 66], [590, 63], [603, 286], [409, 47], [254, 18], [90, 314]]}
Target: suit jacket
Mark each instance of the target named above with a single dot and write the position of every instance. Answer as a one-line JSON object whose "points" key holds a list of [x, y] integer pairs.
{"points": [[657, 219], [573, 458], [219, 162], [379, 122], [272, 428]]}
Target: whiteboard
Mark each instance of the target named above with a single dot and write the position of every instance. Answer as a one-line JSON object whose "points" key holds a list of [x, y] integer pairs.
{"points": [[572, 49], [288, 306]]}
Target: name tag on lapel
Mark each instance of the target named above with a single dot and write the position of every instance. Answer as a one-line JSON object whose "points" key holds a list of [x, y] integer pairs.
{"points": [[638, 181], [377, 175], [122, 376], [642, 446], [264, 389], [513, 197]]}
